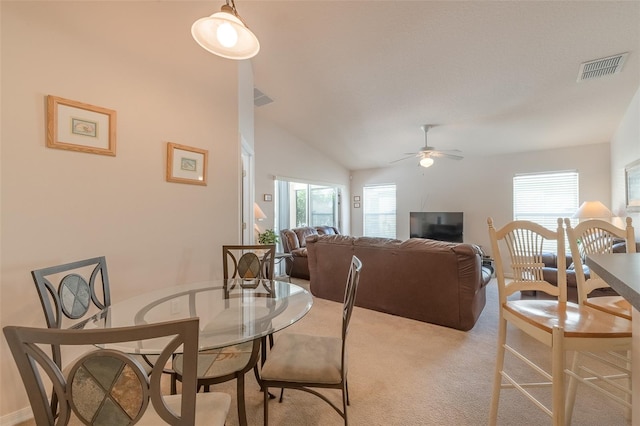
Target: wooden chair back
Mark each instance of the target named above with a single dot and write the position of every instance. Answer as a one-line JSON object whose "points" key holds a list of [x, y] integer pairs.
{"points": [[518, 248], [595, 236]]}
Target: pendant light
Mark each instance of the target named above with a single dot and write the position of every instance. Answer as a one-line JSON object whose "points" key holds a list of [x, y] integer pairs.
{"points": [[225, 34]]}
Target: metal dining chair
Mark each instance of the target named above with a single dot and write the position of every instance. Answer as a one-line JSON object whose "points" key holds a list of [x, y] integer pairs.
{"points": [[305, 362], [559, 325], [240, 262], [106, 386]]}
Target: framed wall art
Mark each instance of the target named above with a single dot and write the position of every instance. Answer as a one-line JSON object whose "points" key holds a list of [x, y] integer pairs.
{"points": [[632, 186], [80, 127], [186, 164]]}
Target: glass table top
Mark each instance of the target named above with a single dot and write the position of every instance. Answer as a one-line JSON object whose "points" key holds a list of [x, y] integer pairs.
{"points": [[230, 311]]}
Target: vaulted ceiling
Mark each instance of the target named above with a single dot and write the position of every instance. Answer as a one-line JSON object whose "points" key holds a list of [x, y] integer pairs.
{"points": [[357, 79]]}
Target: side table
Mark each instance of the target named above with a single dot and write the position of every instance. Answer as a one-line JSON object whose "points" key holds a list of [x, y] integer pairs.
{"points": [[278, 258]]}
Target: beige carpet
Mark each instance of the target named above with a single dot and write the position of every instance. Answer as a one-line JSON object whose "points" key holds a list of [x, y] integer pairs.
{"points": [[405, 372]]}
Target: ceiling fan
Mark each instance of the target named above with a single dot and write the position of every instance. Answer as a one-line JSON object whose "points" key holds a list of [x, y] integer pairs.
{"points": [[428, 153]]}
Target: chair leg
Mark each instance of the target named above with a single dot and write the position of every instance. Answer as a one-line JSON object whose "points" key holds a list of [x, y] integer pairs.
{"points": [[628, 398], [242, 413], [346, 389], [174, 379], [497, 378], [557, 373], [345, 402], [573, 386], [265, 393]]}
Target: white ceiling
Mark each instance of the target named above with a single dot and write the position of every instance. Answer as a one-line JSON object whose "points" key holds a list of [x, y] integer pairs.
{"points": [[357, 79]]}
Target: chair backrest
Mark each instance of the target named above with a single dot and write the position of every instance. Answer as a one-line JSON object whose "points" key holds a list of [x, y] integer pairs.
{"points": [[595, 236], [353, 279], [248, 261], [84, 283], [79, 287], [104, 386], [519, 245]]}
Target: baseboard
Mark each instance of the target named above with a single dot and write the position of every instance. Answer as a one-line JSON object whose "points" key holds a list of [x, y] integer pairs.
{"points": [[16, 417]]}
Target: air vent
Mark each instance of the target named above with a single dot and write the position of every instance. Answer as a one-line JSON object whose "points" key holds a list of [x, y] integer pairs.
{"points": [[260, 99], [601, 67]]}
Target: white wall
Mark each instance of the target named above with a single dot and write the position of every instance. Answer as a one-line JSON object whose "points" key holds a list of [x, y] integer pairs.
{"points": [[59, 206], [625, 149], [278, 153], [480, 186]]}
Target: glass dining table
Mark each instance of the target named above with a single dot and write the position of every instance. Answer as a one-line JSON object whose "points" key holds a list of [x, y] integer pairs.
{"points": [[231, 312]]}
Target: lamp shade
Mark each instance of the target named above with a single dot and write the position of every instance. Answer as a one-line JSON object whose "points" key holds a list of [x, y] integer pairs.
{"points": [[592, 210], [224, 34], [258, 213], [426, 161]]}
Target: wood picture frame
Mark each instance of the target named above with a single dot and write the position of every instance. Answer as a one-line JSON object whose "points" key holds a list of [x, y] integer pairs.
{"points": [[632, 186], [186, 164], [80, 127]]}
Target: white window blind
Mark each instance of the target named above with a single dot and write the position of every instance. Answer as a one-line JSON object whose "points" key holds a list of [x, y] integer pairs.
{"points": [[545, 197], [379, 208]]}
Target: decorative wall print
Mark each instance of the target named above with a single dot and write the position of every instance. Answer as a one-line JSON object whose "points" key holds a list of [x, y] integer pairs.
{"points": [[186, 164], [632, 184], [80, 127]]}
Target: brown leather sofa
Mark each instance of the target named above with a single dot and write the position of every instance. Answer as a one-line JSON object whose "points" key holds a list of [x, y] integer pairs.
{"points": [[426, 280], [294, 242]]}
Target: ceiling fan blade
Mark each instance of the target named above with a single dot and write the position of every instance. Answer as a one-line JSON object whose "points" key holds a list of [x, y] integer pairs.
{"points": [[404, 158], [440, 154]]}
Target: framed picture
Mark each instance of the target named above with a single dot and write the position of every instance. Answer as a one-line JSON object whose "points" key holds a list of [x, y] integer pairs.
{"points": [[80, 127], [186, 164], [356, 205], [632, 183], [356, 198], [268, 197]]}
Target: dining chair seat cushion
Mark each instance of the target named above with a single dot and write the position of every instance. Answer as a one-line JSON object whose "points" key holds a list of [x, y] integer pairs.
{"points": [[304, 358], [219, 362]]}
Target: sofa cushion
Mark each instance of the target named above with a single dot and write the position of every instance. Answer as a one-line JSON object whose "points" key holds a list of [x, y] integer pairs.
{"points": [[327, 230], [303, 233]]}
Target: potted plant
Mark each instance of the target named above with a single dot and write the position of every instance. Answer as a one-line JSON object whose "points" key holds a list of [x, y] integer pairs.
{"points": [[268, 237]]}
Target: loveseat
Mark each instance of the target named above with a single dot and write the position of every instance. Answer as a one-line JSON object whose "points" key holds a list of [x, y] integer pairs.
{"points": [[294, 242], [426, 280]]}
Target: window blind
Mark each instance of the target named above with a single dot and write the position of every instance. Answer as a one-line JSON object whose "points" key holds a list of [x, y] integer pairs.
{"points": [[545, 197], [379, 209]]}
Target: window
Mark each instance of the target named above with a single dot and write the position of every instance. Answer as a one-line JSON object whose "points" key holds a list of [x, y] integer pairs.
{"points": [[304, 204], [544, 197], [379, 207]]}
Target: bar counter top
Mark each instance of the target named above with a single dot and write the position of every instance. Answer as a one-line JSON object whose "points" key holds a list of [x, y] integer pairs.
{"points": [[621, 271]]}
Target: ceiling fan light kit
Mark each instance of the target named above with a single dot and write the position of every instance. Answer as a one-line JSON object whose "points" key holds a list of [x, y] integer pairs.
{"points": [[428, 153], [225, 34], [426, 162]]}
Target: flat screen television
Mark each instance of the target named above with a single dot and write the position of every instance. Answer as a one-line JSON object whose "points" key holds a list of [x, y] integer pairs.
{"points": [[442, 226]]}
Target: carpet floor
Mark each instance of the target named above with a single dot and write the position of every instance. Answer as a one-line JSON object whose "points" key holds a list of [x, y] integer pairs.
{"points": [[405, 372]]}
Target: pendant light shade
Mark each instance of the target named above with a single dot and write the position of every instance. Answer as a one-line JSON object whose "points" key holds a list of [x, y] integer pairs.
{"points": [[224, 34]]}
